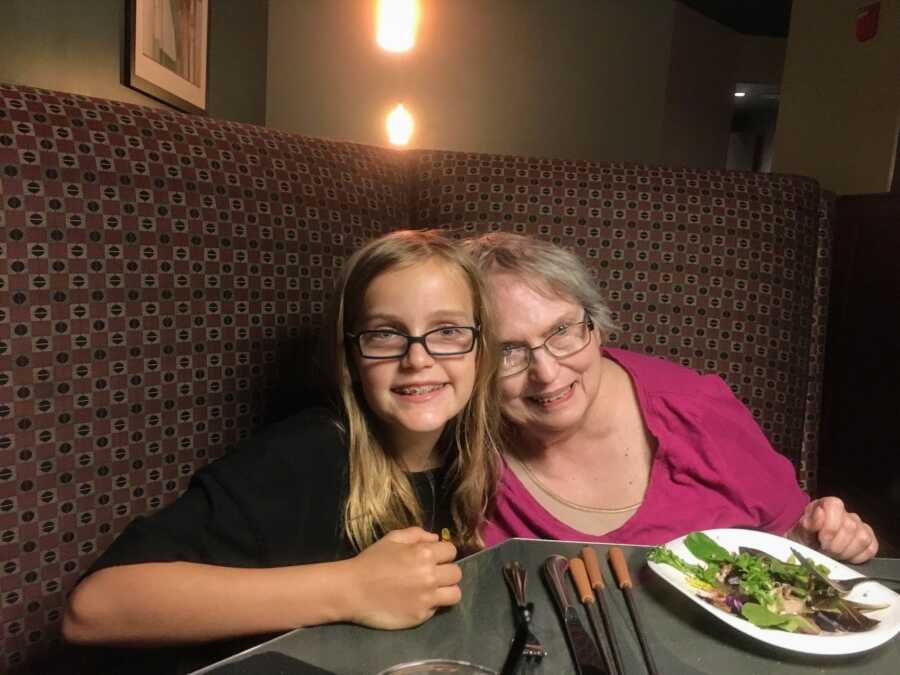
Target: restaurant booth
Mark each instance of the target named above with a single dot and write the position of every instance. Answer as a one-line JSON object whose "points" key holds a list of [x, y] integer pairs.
{"points": [[163, 278]]}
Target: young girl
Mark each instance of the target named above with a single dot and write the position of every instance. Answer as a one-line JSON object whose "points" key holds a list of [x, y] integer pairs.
{"points": [[329, 516]]}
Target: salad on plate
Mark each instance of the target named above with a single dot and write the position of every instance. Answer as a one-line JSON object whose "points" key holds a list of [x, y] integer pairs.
{"points": [[792, 595]]}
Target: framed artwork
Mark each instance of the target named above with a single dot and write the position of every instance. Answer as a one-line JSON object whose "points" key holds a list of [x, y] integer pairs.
{"points": [[167, 49]]}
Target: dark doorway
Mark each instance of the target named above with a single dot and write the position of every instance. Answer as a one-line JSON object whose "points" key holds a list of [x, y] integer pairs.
{"points": [[752, 134]]}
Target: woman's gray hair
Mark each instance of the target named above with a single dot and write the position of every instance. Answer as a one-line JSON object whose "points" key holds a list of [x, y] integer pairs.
{"points": [[545, 268]]}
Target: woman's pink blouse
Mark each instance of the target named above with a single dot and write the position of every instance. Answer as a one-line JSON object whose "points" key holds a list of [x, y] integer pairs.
{"points": [[713, 467]]}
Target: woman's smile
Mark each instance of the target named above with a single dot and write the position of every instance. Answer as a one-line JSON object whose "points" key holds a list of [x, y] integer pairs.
{"points": [[553, 399]]}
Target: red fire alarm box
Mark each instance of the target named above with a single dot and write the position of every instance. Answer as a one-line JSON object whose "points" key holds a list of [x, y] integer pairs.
{"points": [[867, 22]]}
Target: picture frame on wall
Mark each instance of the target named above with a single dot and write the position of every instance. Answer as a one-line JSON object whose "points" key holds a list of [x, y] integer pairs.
{"points": [[167, 51]]}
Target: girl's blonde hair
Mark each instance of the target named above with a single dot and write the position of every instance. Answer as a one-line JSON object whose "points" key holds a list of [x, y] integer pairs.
{"points": [[381, 497]]}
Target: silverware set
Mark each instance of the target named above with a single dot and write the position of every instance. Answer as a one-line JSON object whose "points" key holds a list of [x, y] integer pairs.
{"points": [[599, 655]]}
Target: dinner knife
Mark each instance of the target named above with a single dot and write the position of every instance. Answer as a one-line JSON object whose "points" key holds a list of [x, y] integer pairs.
{"points": [[587, 658]]}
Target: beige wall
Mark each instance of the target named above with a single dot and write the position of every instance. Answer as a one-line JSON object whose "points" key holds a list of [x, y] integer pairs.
{"points": [[77, 47], [759, 59], [574, 79], [840, 106], [72, 47], [700, 91]]}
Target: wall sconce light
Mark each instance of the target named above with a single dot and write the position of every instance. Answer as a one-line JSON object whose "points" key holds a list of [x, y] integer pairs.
{"points": [[396, 24], [399, 125]]}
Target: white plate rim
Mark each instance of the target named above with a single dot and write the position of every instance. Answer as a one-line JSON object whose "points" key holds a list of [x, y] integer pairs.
{"points": [[846, 643]]}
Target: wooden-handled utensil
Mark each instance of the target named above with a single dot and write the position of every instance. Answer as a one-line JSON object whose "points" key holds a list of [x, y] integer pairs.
{"points": [[586, 595], [595, 575], [623, 580]]}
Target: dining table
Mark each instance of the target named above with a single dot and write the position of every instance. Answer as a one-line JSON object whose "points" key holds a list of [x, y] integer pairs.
{"points": [[683, 637]]}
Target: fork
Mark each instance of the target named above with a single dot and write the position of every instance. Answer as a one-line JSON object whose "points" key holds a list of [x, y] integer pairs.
{"points": [[525, 644], [847, 585], [840, 585]]}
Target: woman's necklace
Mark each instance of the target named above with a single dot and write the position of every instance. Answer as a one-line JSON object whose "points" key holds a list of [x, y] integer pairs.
{"points": [[562, 500]]}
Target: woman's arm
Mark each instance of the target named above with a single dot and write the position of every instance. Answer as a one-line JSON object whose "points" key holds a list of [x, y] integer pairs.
{"points": [[398, 582]]}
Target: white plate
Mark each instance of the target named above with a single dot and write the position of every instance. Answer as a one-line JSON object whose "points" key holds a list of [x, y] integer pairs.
{"points": [[834, 643]]}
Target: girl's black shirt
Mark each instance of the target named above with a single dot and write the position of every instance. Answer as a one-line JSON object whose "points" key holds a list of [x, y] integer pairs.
{"points": [[276, 500]]}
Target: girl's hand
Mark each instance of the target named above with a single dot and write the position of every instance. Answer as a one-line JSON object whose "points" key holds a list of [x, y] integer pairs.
{"points": [[826, 525], [402, 579]]}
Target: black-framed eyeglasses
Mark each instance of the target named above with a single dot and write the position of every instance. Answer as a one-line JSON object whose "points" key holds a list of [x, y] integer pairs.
{"points": [[392, 344], [567, 340]]}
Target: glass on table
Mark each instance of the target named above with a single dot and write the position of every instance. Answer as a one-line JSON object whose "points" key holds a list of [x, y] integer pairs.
{"points": [[438, 667]]}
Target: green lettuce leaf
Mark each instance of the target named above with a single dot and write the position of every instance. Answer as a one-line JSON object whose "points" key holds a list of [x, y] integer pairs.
{"points": [[705, 548], [762, 617]]}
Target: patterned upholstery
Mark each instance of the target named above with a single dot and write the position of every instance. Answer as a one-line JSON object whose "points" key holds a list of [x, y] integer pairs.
{"points": [[162, 275]]}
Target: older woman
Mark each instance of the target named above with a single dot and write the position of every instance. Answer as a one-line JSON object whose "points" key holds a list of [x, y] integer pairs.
{"points": [[606, 444]]}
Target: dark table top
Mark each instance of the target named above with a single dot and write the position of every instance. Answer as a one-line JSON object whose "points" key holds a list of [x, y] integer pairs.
{"points": [[684, 637]]}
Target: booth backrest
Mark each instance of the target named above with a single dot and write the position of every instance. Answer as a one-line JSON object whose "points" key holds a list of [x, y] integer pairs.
{"points": [[722, 271], [162, 277]]}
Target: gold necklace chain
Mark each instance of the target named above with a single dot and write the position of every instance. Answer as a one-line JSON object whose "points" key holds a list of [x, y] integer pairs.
{"points": [[562, 500]]}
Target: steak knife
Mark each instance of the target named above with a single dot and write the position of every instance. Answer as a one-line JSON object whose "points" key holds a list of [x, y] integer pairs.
{"points": [[585, 653]]}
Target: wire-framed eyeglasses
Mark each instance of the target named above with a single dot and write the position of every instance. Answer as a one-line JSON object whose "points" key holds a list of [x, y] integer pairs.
{"points": [[392, 344], [567, 340]]}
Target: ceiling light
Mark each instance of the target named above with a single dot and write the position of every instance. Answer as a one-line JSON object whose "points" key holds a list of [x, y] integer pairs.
{"points": [[396, 24], [740, 94], [399, 126]]}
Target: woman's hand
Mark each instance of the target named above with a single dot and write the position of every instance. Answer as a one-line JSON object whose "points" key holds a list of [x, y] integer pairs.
{"points": [[402, 579], [826, 525]]}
